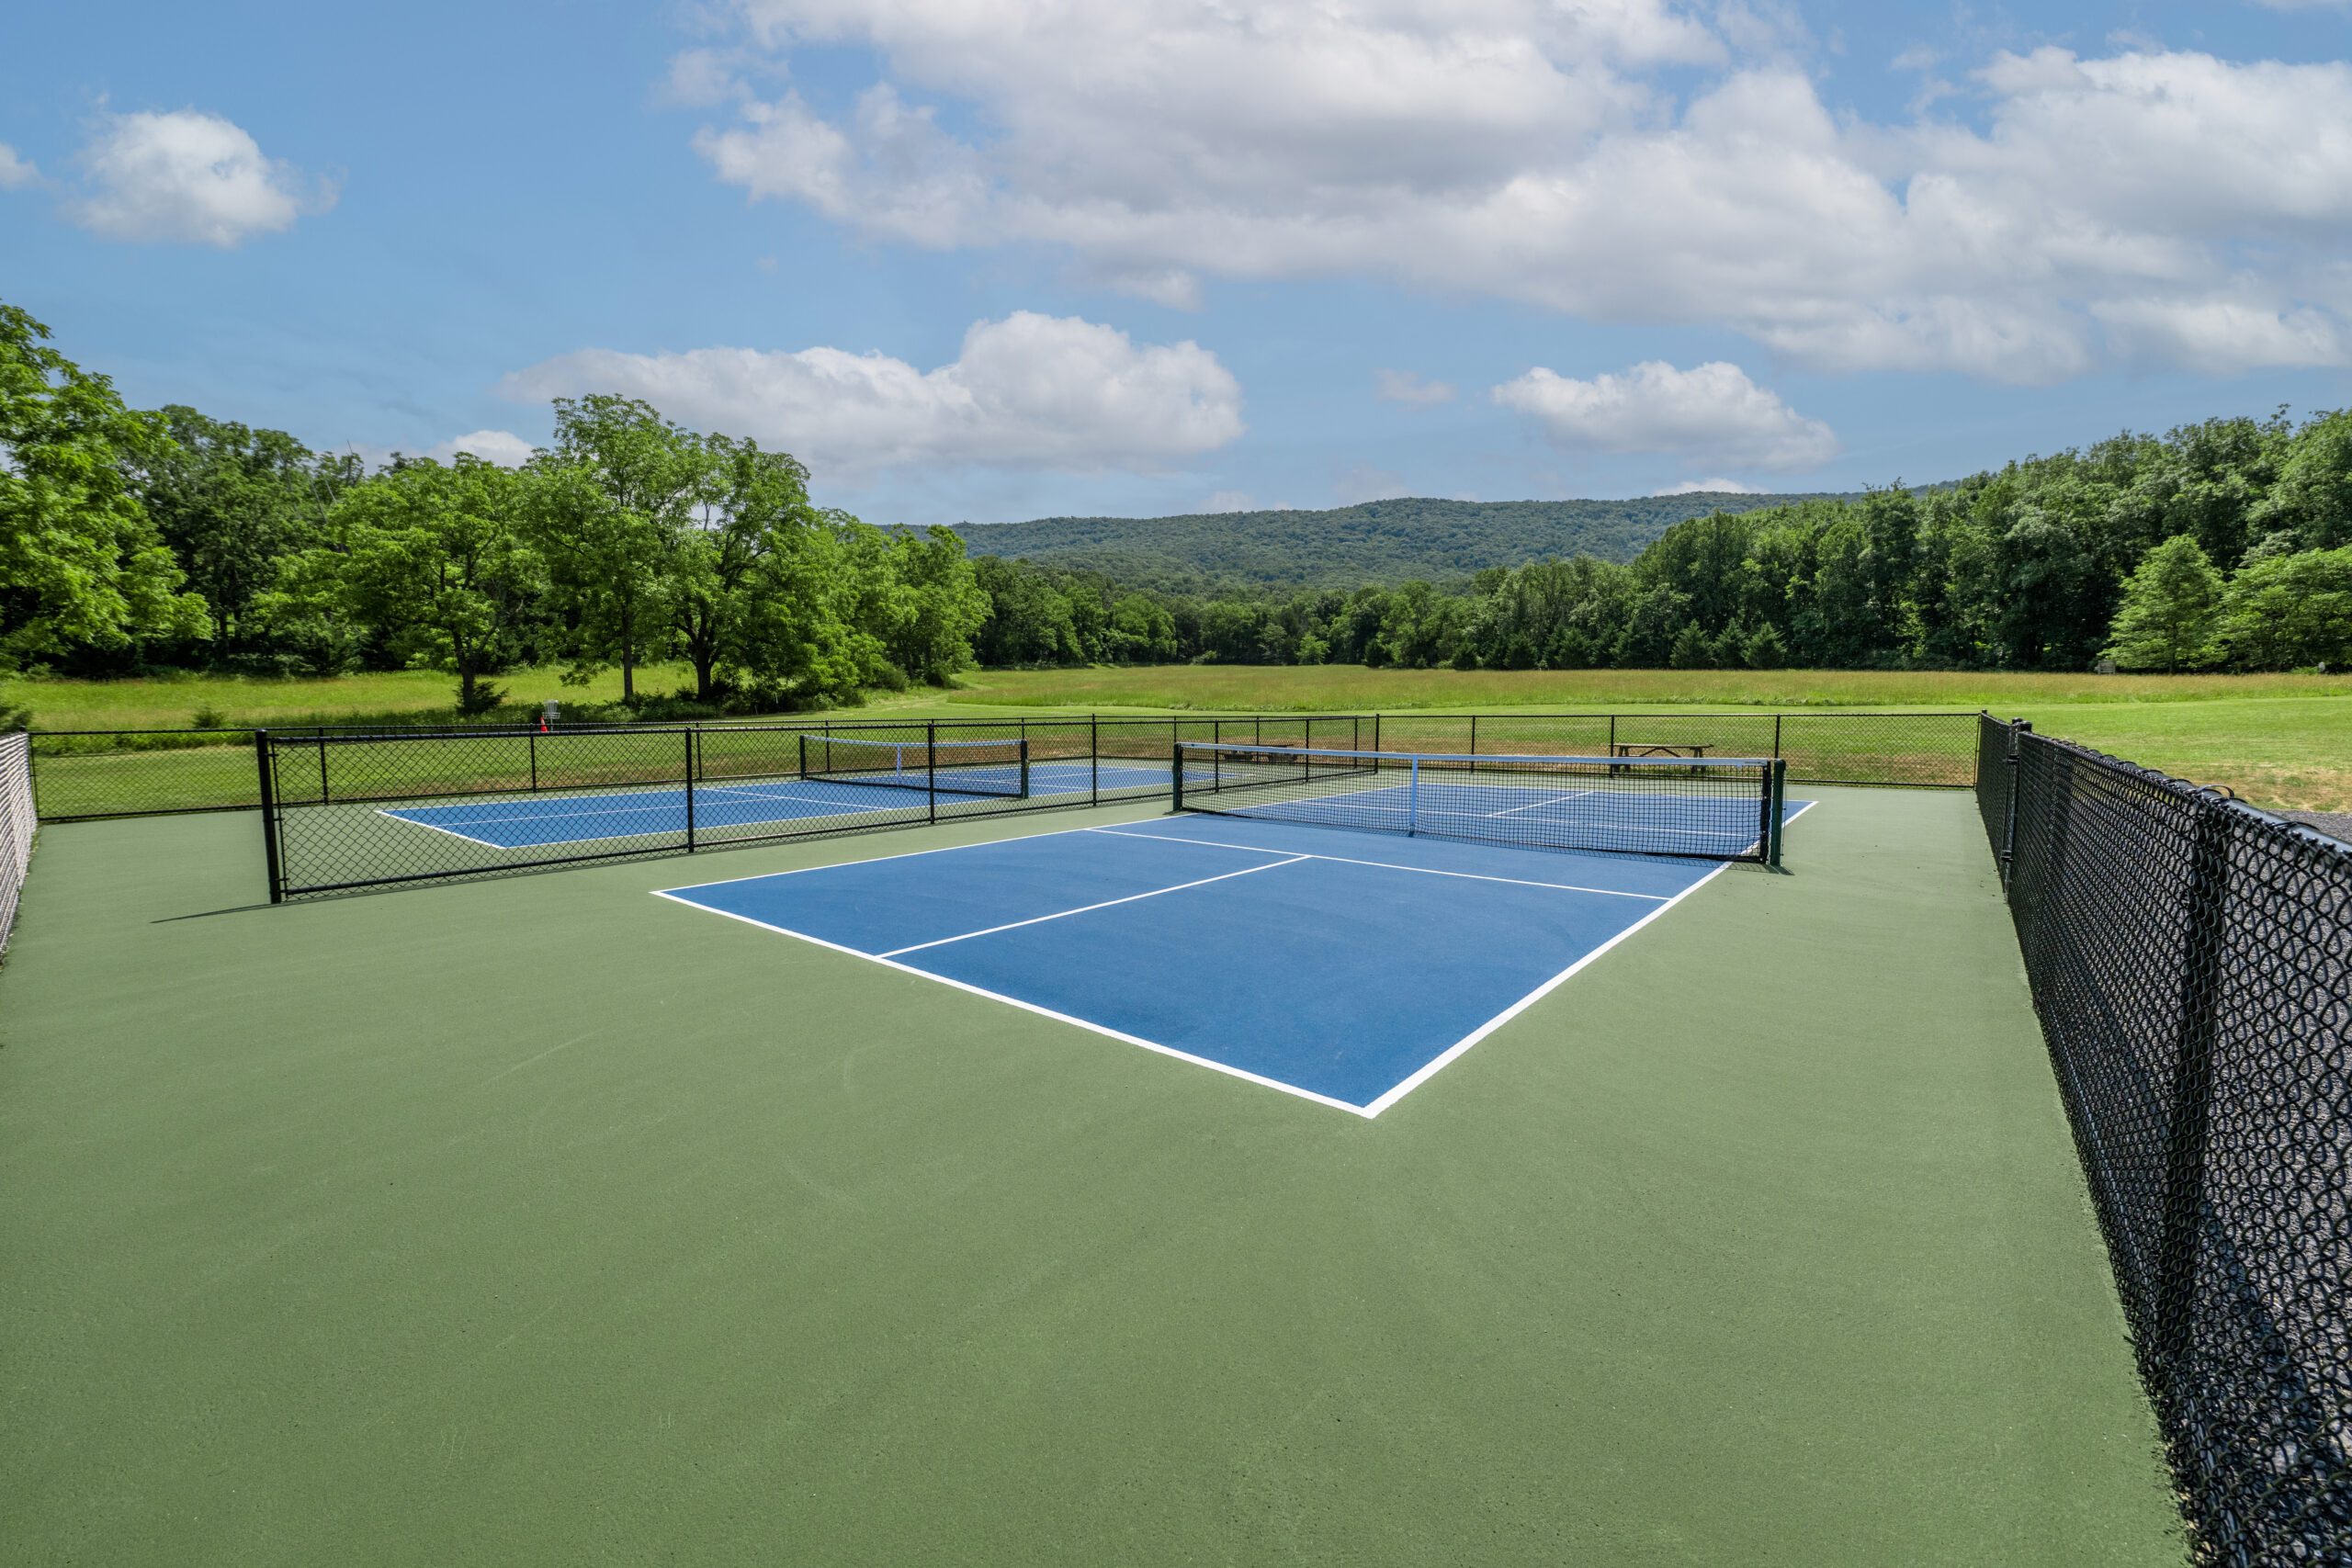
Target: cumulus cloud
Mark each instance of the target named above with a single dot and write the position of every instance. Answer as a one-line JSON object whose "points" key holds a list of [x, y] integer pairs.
{"points": [[500, 447], [189, 176], [1711, 486], [1558, 156], [1230, 501], [16, 173], [1408, 388], [1030, 391], [1711, 412]]}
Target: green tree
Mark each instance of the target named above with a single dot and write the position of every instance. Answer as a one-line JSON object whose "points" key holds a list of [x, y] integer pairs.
{"points": [[1692, 649], [434, 562], [625, 483], [232, 503], [81, 564], [753, 507], [2166, 621], [2288, 612]]}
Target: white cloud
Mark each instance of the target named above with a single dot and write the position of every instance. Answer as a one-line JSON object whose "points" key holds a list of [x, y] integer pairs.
{"points": [[1364, 482], [1029, 392], [1408, 388], [1230, 501], [1711, 412], [1543, 155], [16, 173], [500, 447], [1711, 486], [189, 176]]}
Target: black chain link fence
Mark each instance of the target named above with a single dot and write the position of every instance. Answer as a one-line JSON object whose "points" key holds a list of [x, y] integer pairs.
{"points": [[2190, 959], [87, 776]]}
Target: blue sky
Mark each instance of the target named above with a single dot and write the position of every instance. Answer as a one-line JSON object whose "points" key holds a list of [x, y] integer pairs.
{"points": [[996, 259]]}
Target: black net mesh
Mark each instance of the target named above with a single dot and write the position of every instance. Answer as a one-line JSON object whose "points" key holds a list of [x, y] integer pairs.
{"points": [[1719, 808], [2191, 963]]}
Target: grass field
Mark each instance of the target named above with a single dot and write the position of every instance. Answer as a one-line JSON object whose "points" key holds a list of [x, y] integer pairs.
{"points": [[1349, 688], [2281, 741], [540, 1221], [173, 703]]}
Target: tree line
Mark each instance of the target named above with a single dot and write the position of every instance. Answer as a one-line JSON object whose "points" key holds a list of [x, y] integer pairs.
{"points": [[130, 539], [2225, 545]]}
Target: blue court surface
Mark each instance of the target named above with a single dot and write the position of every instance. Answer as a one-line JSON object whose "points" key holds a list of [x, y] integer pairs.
{"points": [[525, 822], [1343, 966]]}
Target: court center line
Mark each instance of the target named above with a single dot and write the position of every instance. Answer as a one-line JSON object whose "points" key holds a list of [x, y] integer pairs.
{"points": [[1107, 903], [1388, 865]]}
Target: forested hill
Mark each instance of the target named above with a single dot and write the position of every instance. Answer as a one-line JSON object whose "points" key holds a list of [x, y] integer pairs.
{"points": [[1380, 541]]}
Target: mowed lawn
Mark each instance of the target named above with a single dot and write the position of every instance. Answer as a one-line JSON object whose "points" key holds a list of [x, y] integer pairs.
{"points": [[542, 1220]]}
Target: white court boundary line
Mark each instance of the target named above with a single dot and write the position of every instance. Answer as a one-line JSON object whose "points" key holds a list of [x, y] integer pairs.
{"points": [[1380, 865], [734, 793], [1090, 909], [1418, 1077], [1241, 1073]]}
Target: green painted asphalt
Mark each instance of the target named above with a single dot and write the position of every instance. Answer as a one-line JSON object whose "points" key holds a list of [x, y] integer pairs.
{"points": [[540, 1221]]}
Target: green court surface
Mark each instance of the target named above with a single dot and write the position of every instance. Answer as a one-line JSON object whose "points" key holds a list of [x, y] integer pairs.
{"points": [[540, 1221]]}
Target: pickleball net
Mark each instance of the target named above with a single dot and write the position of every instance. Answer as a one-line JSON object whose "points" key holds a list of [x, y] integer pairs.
{"points": [[998, 768], [1714, 808]]}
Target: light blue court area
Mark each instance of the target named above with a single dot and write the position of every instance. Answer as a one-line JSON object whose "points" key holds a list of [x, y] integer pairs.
{"points": [[535, 821], [1343, 967]]}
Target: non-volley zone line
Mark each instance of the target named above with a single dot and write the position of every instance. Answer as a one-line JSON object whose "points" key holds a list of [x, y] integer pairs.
{"points": [[1343, 978]]}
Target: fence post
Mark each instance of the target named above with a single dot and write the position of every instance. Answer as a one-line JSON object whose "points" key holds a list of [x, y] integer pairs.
{"points": [[931, 767], [1474, 740], [1776, 735], [322, 768], [690, 792], [1176, 773], [269, 817], [2009, 811], [2192, 1093], [1613, 735], [534, 738], [1094, 759]]}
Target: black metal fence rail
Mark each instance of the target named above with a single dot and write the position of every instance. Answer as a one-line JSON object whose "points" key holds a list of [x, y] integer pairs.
{"points": [[347, 811], [2191, 960], [92, 774]]}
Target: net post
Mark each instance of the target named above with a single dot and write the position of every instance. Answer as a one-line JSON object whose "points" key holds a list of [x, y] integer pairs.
{"points": [[1775, 809], [1413, 798], [1024, 767], [1474, 740], [1176, 775], [690, 792], [269, 817], [931, 768]]}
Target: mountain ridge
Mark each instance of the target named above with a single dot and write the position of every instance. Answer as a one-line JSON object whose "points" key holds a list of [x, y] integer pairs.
{"points": [[1376, 541]]}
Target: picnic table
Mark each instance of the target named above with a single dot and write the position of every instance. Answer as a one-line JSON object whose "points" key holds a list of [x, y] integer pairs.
{"points": [[1660, 748]]}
